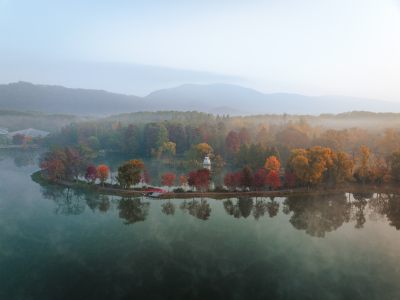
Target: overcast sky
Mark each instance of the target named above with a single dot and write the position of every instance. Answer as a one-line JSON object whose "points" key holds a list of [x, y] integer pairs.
{"points": [[340, 47]]}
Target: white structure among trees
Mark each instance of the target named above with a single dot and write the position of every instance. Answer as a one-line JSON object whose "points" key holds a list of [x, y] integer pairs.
{"points": [[207, 163]]}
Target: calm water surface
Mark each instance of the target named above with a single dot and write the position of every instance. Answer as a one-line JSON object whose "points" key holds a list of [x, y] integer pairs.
{"points": [[62, 244]]}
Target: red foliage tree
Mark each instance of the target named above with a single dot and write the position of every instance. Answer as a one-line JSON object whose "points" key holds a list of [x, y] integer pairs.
{"points": [[203, 179], [91, 173], [168, 179], [260, 178], [273, 180], [102, 173], [233, 180], [200, 179], [229, 181], [53, 164], [53, 168]]}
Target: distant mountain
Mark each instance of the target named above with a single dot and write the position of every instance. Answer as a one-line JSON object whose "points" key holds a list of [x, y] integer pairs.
{"points": [[56, 99], [233, 99], [213, 98]]}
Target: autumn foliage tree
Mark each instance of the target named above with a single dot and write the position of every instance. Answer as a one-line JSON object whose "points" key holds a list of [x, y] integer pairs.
{"points": [[91, 173], [379, 172], [247, 177], [290, 179], [168, 179], [232, 143], [273, 180], [395, 165], [53, 164], [200, 179], [310, 165], [233, 180], [244, 136], [272, 163], [342, 167], [130, 173], [103, 172], [64, 163], [183, 180], [363, 162], [260, 178]]}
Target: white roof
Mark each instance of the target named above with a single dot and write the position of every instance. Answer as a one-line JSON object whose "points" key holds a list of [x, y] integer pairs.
{"points": [[30, 132], [3, 131]]}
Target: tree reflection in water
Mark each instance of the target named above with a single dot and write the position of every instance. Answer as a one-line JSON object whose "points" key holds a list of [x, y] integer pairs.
{"points": [[68, 201], [387, 205], [360, 202], [244, 206], [97, 202], [317, 214], [197, 208], [24, 158], [168, 208], [259, 209], [133, 210], [272, 207], [241, 208]]}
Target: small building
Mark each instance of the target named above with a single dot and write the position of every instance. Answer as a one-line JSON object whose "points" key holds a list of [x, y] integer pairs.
{"points": [[207, 163], [30, 132], [3, 131]]}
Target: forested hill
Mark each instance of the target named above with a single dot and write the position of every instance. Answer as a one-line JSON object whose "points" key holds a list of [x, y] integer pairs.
{"points": [[17, 120], [25, 96], [214, 98], [355, 119]]}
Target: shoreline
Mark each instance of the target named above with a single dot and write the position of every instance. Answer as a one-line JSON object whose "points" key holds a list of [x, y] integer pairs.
{"points": [[107, 190]]}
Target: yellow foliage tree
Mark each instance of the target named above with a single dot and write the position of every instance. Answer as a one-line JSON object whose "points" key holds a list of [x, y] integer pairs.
{"points": [[363, 162], [309, 165], [342, 167], [204, 149]]}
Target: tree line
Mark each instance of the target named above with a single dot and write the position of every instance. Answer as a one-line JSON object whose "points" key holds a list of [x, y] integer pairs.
{"points": [[242, 151]]}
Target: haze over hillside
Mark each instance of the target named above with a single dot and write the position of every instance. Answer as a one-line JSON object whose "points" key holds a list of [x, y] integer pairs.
{"points": [[213, 98]]}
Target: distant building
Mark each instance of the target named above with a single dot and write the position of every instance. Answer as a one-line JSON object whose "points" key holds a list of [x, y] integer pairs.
{"points": [[3, 131], [207, 163], [30, 132]]}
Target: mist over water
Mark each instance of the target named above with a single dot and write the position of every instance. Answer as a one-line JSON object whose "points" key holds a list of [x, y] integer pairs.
{"points": [[57, 243]]}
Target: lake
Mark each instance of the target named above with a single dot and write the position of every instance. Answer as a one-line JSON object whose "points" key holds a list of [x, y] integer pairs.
{"points": [[63, 244]]}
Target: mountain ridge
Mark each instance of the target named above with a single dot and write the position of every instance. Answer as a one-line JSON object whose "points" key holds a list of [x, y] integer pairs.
{"points": [[220, 98]]}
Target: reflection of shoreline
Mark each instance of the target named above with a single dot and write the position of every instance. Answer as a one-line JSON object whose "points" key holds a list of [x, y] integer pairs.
{"points": [[316, 215], [114, 191]]}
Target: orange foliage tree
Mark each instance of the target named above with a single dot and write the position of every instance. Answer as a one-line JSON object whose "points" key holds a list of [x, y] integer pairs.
{"points": [[183, 180], [102, 173], [272, 164], [168, 179]]}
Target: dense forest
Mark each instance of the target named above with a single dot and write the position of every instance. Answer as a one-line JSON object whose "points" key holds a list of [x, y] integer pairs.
{"points": [[17, 120], [246, 152]]}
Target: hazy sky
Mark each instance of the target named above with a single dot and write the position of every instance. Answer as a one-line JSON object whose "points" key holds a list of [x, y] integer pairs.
{"points": [[346, 47]]}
